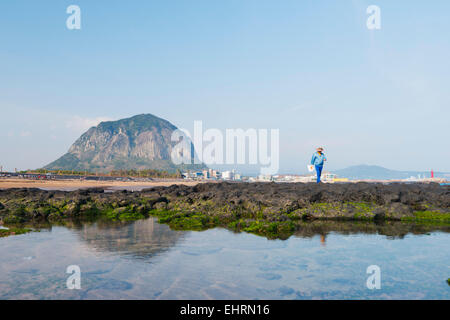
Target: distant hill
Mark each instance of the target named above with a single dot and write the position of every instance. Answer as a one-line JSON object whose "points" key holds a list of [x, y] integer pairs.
{"points": [[139, 142], [377, 172]]}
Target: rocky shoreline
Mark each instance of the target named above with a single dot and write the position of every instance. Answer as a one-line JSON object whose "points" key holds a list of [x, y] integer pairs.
{"points": [[270, 209]]}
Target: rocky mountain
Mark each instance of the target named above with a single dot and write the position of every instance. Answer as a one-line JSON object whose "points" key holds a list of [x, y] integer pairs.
{"points": [[377, 172], [139, 142]]}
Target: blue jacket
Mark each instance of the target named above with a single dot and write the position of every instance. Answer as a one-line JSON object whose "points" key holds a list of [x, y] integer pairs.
{"points": [[317, 159]]}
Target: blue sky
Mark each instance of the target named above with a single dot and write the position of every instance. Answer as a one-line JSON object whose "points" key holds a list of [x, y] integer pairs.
{"points": [[310, 68]]}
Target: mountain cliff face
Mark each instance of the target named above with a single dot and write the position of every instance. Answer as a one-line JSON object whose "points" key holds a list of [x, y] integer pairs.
{"points": [[139, 142]]}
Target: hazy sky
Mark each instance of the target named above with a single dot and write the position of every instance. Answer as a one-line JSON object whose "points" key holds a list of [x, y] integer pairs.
{"points": [[310, 68]]}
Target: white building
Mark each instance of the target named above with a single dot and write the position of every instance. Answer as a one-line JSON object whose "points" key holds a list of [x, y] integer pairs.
{"points": [[265, 178], [227, 175]]}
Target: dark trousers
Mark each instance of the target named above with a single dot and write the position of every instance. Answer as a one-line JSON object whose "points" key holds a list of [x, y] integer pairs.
{"points": [[319, 172]]}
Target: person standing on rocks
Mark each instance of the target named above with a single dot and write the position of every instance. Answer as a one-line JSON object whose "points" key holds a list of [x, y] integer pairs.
{"points": [[318, 160]]}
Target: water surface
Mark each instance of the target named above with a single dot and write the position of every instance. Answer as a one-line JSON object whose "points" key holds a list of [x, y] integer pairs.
{"points": [[147, 260]]}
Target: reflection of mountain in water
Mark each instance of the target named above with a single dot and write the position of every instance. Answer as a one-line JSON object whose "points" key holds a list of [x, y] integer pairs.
{"points": [[391, 229], [141, 239], [144, 238]]}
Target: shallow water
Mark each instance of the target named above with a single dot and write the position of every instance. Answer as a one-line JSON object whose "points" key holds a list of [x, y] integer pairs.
{"points": [[146, 260]]}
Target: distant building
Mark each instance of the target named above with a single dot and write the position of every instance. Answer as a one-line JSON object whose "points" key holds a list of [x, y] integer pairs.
{"points": [[227, 175], [265, 178], [328, 177], [211, 174], [198, 174]]}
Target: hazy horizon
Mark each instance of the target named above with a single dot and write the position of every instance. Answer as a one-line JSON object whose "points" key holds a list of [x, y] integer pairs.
{"points": [[311, 69]]}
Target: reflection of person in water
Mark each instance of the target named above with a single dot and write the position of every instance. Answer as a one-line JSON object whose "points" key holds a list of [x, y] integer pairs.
{"points": [[323, 239]]}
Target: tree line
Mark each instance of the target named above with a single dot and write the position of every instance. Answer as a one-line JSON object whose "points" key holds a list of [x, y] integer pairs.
{"points": [[145, 173]]}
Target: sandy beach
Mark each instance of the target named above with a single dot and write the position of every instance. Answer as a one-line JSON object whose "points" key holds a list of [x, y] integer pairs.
{"points": [[79, 184]]}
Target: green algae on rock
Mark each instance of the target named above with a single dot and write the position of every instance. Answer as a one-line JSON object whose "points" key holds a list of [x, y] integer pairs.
{"points": [[430, 216], [269, 209], [11, 231]]}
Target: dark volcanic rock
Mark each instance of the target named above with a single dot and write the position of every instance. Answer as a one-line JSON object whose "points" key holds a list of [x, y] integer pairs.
{"points": [[233, 201]]}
